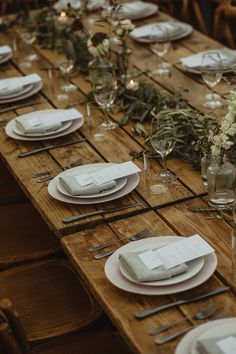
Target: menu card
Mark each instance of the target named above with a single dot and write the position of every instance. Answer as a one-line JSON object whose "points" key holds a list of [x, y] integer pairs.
{"points": [[227, 345], [108, 174], [177, 253]]}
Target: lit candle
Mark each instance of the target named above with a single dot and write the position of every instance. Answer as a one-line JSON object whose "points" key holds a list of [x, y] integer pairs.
{"points": [[62, 21], [132, 85]]}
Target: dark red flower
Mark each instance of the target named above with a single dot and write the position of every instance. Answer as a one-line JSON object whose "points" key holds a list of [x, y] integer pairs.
{"points": [[98, 38], [77, 25]]}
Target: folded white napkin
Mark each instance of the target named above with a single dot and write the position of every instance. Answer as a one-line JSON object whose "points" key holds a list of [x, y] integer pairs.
{"points": [[228, 57], [5, 49], [138, 270], [74, 188], [76, 4], [153, 29], [13, 85], [43, 121], [209, 346], [131, 10]]}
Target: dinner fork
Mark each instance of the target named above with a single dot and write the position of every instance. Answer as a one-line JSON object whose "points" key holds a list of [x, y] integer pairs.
{"points": [[145, 232]]}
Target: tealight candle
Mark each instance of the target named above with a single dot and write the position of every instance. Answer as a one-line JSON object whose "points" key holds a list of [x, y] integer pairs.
{"points": [[62, 21], [132, 85]]}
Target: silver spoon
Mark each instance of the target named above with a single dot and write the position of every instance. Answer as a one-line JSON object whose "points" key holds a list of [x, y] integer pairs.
{"points": [[200, 315]]}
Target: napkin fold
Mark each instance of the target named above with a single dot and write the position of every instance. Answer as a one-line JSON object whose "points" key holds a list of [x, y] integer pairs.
{"points": [[209, 346], [148, 31], [76, 4], [41, 122], [74, 188], [137, 269], [131, 10], [228, 57], [13, 85], [5, 49]]}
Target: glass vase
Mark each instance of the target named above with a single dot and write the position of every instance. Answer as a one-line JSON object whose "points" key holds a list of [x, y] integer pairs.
{"points": [[221, 184]]}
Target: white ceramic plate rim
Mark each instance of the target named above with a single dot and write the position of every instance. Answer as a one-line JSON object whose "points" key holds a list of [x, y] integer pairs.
{"points": [[186, 343], [150, 9], [121, 182], [132, 182], [76, 124], [36, 87], [113, 274], [187, 30], [224, 329], [194, 267], [25, 89], [198, 72], [5, 57]]}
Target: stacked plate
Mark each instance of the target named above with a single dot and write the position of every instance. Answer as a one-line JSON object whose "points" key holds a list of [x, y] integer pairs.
{"points": [[132, 10], [149, 33], [14, 130], [199, 270], [192, 63], [61, 5], [18, 88], [123, 186], [212, 332], [5, 53]]}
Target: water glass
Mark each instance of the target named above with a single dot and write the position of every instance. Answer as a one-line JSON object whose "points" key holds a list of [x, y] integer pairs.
{"points": [[153, 186]]}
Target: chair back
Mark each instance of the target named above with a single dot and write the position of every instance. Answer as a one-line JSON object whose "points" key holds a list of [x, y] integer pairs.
{"points": [[12, 335], [224, 17]]}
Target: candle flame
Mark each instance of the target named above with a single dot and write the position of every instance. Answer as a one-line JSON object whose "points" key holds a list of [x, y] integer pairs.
{"points": [[63, 14]]}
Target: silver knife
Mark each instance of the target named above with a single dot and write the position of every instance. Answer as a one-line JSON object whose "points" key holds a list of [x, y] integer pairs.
{"points": [[145, 313], [98, 212], [37, 151], [230, 207]]}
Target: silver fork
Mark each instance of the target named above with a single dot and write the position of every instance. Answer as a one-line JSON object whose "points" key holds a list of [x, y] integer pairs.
{"points": [[145, 232]]}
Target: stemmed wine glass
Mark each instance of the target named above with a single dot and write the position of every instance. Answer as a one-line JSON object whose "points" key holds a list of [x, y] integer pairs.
{"points": [[163, 139], [160, 37], [66, 64], [104, 89], [211, 71]]}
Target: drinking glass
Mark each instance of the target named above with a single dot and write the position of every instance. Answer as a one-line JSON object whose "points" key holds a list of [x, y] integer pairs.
{"points": [[211, 71], [29, 39], [66, 64], [163, 139], [104, 89], [161, 38]]}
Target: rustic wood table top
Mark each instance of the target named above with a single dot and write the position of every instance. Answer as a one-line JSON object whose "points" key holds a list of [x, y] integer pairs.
{"points": [[164, 214]]}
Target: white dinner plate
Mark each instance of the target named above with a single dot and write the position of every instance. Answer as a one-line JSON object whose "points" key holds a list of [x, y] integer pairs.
{"points": [[24, 90], [194, 267], [145, 9], [121, 182], [185, 346], [132, 182], [113, 274], [5, 57], [185, 30], [9, 130], [36, 87]]}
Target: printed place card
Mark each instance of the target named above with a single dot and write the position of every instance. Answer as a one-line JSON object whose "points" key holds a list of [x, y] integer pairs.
{"points": [[108, 174], [182, 251], [150, 259], [227, 345]]}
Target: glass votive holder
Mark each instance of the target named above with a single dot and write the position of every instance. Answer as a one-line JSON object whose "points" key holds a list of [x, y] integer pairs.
{"points": [[205, 163], [151, 175]]}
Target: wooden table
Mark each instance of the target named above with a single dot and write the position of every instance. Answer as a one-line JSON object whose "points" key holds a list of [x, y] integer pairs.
{"points": [[164, 214]]}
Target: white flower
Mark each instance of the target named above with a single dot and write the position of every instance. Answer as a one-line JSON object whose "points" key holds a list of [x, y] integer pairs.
{"points": [[101, 49]]}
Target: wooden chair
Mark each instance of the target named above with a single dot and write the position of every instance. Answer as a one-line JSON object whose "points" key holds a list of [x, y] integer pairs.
{"points": [[49, 298], [24, 236], [13, 339], [223, 18]]}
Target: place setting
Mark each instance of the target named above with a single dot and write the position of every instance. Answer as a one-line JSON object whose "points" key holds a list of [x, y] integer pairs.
{"points": [[161, 265], [44, 124], [161, 31], [5, 53], [131, 10], [18, 88], [94, 183]]}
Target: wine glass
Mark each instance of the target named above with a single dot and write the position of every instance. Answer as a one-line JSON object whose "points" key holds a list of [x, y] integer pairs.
{"points": [[29, 39], [161, 38], [66, 64], [211, 71], [104, 89], [163, 139]]}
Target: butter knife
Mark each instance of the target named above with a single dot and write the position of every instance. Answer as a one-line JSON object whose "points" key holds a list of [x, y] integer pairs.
{"points": [[97, 212], [210, 209], [37, 151], [151, 311]]}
